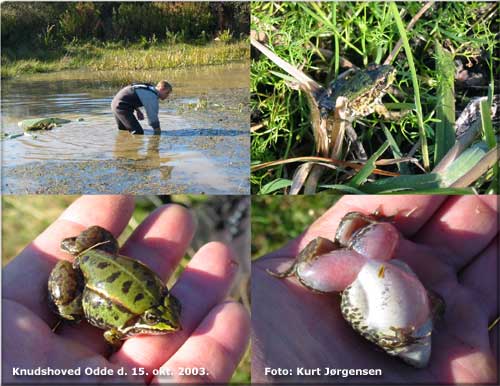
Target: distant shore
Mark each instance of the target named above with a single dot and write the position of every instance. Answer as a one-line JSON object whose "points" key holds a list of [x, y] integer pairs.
{"points": [[117, 56]]}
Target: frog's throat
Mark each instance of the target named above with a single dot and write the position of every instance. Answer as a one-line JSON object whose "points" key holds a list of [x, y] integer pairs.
{"points": [[93, 247]]}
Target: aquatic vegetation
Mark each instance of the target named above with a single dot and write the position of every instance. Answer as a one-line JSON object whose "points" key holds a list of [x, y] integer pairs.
{"points": [[131, 57]]}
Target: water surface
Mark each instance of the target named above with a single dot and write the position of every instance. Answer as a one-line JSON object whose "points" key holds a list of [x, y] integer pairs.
{"points": [[203, 147]]}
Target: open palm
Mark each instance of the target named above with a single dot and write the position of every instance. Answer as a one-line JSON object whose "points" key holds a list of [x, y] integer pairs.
{"points": [[452, 250], [206, 343]]}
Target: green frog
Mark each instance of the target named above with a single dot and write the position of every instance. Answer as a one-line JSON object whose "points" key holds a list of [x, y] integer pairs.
{"points": [[110, 291], [363, 90], [354, 94]]}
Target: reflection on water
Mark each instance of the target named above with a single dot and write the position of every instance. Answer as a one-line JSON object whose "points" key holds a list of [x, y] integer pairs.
{"points": [[203, 150]]}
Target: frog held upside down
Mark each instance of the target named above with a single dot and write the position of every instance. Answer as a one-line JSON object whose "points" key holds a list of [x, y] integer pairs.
{"points": [[110, 291], [381, 297]]}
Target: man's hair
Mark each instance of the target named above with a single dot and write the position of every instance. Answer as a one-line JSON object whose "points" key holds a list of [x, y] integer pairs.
{"points": [[164, 84]]}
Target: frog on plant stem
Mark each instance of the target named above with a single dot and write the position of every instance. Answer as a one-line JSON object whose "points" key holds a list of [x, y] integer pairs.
{"points": [[354, 94], [110, 291], [363, 89]]}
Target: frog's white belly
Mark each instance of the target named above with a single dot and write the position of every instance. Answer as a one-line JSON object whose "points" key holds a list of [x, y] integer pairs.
{"points": [[383, 300]]}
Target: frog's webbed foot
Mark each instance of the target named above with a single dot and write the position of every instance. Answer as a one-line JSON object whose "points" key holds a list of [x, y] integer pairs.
{"points": [[113, 337], [381, 110], [281, 275], [94, 236], [402, 337], [352, 223], [358, 147], [315, 248], [69, 245], [65, 288]]}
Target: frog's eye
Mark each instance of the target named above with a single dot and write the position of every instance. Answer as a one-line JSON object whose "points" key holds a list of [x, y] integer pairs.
{"points": [[151, 317]]}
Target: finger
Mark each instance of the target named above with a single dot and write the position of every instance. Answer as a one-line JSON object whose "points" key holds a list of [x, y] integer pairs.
{"points": [[377, 241], [411, 213], [464, 225], [34, 263], [203, 284], [463, 348], [216, 346], [162, 239], [482, 278], [428, 266]]}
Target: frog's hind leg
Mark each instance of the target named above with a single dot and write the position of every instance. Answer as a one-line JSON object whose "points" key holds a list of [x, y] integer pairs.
{"points": [[113, 337], [381, 110], [358, 147], [94, 236], [65, 288], [316, 247]]}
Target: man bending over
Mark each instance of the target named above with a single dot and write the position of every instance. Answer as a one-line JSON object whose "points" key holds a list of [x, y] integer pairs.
{"points": [[130, 98]]}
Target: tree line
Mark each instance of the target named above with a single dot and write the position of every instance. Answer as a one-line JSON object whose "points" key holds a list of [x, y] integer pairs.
{"points": [[48, 24]]}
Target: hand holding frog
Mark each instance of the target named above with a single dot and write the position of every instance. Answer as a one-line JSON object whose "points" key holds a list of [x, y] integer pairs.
{"points": [[214, 333], [452, 251]]}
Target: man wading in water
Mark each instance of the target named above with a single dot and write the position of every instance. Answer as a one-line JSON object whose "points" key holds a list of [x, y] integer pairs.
{"points": [[130, 98]]}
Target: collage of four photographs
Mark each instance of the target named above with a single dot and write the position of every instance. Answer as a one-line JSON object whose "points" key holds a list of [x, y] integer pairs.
{"points": [[250, 192]]}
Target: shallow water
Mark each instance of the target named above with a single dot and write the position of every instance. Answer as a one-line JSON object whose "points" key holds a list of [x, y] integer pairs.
{"points": [[200, 150]]}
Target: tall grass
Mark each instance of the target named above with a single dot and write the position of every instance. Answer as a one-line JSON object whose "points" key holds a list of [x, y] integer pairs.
{"points": [[325, 38], [166, 56], [134, 57]]}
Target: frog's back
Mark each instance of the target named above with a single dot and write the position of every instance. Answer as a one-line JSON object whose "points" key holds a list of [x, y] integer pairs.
{"points": [[355, 84], [103, 312], [122, 280]]}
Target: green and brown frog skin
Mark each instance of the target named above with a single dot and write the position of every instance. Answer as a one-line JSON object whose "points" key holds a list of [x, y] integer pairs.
{"points": [[363, 90], [110, 291], [354, 94]]}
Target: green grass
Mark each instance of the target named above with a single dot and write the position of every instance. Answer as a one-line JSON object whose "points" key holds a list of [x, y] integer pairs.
{"points": [[319, 37], [277, 220], [113, 56], [24, 217]]}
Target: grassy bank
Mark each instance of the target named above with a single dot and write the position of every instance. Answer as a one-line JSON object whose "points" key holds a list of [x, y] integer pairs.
{"points": [[115, 56], [448, 57]]}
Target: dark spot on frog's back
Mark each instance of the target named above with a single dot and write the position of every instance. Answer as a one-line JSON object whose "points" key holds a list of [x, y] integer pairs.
{"points": [[113, 277], [138, 297], [102, 265], [126, 286]]}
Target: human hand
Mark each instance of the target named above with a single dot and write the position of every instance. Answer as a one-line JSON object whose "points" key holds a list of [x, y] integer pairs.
{"points": [[140, 115], [451, 244], [215, 332]]}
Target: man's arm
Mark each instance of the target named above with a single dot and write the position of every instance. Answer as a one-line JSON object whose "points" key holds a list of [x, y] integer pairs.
{"points": [[140, 115], [150, 102]]}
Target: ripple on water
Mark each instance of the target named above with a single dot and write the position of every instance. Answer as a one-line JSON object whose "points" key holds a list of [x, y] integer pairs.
{"points": [[198, 151]]}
